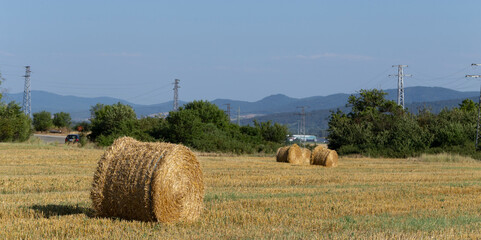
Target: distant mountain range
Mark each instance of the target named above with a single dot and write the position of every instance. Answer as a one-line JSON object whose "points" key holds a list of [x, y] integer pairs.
{"points": [[278, 108], [79, 107]]}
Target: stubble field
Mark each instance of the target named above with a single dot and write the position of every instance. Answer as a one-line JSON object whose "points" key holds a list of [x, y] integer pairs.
{"points": [[44, 194]]}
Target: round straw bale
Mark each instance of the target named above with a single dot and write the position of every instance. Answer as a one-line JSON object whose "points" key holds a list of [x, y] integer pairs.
{"points": [[148, 182], [306, 156], [325, 157], [281, 155], [315, 152], [295, 155]]}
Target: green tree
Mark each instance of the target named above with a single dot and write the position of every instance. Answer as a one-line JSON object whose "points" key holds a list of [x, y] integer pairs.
{"points": [[207, 112], [376, 126], [186, 124], [42, 121], [468, 105], [14, 124], [272, 132], [184, 127], [112, 121], [205, 127], [370, 104], [62, 119]]}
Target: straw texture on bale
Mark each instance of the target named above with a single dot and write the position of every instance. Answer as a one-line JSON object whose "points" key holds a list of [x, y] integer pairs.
{"points": [[148, 182], [296, 155], [281, 155], [306, 156], [323, 156]]}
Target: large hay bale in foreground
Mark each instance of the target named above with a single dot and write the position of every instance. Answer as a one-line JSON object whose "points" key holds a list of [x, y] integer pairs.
{"points": [[296, 155], [148, 182], [281, 155], [325, 157]]}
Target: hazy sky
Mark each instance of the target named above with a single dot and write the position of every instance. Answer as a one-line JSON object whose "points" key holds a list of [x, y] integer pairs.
{"points": [[242, 50]]}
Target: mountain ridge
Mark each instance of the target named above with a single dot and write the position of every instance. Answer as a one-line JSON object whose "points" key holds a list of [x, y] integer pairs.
{"points": [[79, 107]]}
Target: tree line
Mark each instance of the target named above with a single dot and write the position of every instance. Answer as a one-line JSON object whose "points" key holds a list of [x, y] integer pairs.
{"points": [[375, 127], [198, 124]]}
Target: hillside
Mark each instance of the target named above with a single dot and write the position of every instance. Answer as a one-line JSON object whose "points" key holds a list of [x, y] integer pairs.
{"points": [[275, 107], [79, 107]]}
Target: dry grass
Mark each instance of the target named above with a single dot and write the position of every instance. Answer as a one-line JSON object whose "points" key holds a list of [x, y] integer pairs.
{"points": [[44, 194], [446, 157]]}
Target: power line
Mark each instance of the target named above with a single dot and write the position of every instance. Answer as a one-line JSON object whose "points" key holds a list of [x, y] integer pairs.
{"points": [[302, 126], [228, 110], [238, 116], [372, 79]]}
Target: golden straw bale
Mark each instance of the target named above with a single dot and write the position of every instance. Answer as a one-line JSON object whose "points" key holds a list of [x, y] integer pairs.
{"points": [[295, 155], [281, 155], [306, 156], [325, 157], [315, 152], [148, 182]]}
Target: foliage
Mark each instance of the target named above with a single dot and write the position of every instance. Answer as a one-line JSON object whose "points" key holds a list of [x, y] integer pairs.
{"points": [[62, 119], [272, 132], [42, 121], [378, 127], [205, 127], [14, 124], [83, 126], [112, 121], [198, 124]]}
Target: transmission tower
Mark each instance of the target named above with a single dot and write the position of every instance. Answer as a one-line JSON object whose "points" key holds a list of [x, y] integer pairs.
{"points": [[228, 110], [479, 108], [302, 126], [400, 83], [238, 116], [176, 94], [27, 100]]}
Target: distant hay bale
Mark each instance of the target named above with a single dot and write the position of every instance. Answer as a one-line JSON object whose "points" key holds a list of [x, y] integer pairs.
{"points": [[281, 155], [323, 156], [296, 155], [148, 182], [306, 156]]}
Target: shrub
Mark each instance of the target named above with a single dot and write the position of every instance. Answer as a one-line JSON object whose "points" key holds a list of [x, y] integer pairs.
{"points": [[14, 124], [110, 122], [42, 121], [62, 119]]}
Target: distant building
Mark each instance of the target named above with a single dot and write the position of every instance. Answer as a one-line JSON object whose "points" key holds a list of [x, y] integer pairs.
{"points": [[302, 138]]}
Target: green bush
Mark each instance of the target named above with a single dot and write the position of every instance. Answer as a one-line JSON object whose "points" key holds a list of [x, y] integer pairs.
{"points": [[14, 124], [42, 121], [378, 127], [110, 122], [62, 119], [200, 125]]}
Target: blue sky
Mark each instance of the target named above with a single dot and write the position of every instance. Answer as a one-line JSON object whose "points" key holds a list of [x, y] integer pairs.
{"points": [[243, 50]]}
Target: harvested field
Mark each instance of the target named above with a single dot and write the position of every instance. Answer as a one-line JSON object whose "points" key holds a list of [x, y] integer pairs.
{"points": [[44, 191]]}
